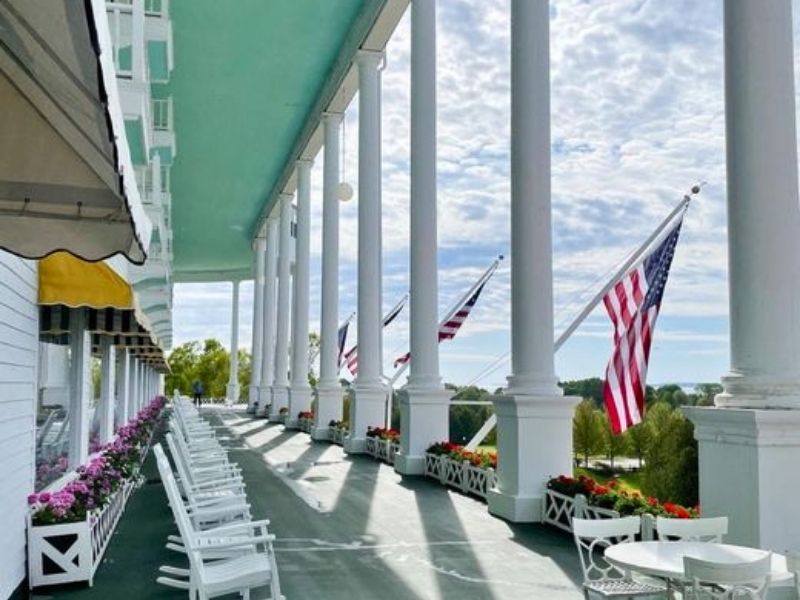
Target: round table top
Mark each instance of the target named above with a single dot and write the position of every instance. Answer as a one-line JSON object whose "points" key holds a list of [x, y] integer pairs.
{"points": [[665, 559]]}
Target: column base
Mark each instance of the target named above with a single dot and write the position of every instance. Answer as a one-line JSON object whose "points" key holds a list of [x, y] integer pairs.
{"points": [[758, 392], [280, 399], [409, 465], [252, 402], [330, 404], [232, 393], [321, 434], [534, 439], [264, 401], [424, 420], [753, 451], [300, 398], [517, 509], [367, 410]]}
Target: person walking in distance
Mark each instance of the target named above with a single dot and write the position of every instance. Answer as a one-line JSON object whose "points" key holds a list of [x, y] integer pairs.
{"points": [[197, 390]]}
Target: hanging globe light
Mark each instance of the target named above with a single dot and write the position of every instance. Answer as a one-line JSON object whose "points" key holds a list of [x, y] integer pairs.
{"points": [[344, 191]]}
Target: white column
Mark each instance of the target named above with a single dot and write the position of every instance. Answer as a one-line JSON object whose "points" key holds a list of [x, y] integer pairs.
{"points": [[369, 393], [123, 387], [534, 419], [750, 440], [80, 388], [133, 398], [107, 387], [280, 385], [423, 403], [233, 378], [269, 316], [258, 322], [300, 390], [329, 390]]}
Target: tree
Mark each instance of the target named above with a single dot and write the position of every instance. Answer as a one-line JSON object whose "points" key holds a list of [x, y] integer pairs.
{"points": [[585, 388], [587, 435], [613, 444], [183, 368], [245, 374], [213, 368], [706, 393], [670, 471], [638, 440]]}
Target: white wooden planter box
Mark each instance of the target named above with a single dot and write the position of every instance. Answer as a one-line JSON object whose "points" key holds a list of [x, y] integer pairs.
{"points": [[461, 475], [71, 552], [384, 450], [305, 424], [338, 435], [560, 509]]}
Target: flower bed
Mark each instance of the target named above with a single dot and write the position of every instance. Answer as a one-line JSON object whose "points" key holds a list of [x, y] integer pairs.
{"points": [[454, 466], [305, 420], [383, 443], [339, 431], [583, 497], [69, 529]]}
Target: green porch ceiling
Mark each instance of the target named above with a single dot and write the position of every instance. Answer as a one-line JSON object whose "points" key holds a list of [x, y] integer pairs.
{"points": [[246, 78]]}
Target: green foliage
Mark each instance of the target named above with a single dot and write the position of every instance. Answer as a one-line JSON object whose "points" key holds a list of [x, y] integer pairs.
{"points": [[313, 350], [613, 445], [588, 389], [587, 430], [466, 420], [670, 471], [210, 364]]}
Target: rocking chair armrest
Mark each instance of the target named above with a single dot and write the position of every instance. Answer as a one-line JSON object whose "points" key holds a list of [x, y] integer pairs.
{"points": [[234, 527], [210, 513]]}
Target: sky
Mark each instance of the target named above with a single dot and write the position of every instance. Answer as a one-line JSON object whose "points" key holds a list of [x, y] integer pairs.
{"points": [[637, 119]]}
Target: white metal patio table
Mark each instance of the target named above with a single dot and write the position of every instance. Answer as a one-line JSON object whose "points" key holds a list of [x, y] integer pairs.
{"points": [[665, 559]]}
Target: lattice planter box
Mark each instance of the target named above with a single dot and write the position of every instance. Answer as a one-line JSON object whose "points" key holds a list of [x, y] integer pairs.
{"points": [[559, 509], [305, 424], [461, 475], [71, 552], [338, 435], [384, 450]]}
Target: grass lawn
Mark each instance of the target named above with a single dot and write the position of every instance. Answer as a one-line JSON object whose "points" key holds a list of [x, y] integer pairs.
{"points": [[628, 481]]}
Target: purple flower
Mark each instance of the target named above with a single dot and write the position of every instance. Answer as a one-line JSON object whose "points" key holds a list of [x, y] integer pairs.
{"points": [[33, 499], [44, 497]]}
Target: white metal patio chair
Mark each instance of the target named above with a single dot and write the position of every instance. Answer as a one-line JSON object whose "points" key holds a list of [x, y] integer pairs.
{"points": [[230, 559], [727, 581], [710, 529], [592, 537]]}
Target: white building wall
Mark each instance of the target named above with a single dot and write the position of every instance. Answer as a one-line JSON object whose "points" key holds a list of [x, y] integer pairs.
{"points": [[19, 332]]}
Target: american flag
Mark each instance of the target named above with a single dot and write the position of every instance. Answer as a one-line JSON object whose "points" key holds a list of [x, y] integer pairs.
{"points": [[449, 328], [351, 356], [633, 304], [342, 339]]}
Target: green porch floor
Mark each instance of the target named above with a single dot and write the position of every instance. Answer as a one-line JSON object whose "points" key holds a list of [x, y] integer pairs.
{"points": [[347, 527]]}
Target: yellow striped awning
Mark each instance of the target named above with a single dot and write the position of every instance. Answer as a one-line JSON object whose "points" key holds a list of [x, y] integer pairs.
{"points": [[69, 281]]}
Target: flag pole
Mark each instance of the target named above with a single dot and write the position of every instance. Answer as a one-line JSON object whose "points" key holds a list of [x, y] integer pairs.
{"points": [[313, 357], [394, 308], [682, 206], [456, 307]]}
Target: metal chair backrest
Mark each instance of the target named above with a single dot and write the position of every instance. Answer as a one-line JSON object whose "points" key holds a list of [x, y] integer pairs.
{"points": [[728, 581], [593, 536], [710, 529]]}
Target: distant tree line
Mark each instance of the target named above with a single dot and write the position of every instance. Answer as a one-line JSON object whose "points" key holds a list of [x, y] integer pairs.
{"points": [[208, 363]]}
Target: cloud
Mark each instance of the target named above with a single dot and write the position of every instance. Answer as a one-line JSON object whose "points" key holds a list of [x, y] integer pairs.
{"points": [[637, 118]]}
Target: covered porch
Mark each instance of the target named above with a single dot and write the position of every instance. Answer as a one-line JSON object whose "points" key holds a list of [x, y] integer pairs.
{"points": [[347, 526]]}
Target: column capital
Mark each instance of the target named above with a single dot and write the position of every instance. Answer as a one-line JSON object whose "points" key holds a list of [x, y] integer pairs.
{"points": [[305, 163], [332, 118], [370, 58]]}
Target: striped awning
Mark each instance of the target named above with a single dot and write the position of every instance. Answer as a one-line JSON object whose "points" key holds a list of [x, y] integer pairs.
{"points": [[66, 178]]}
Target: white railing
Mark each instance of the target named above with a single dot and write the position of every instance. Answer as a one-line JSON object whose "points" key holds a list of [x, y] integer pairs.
{"points": [[559, 510], [339, 435], [156, 8], [71, 552], [461, 475]]}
